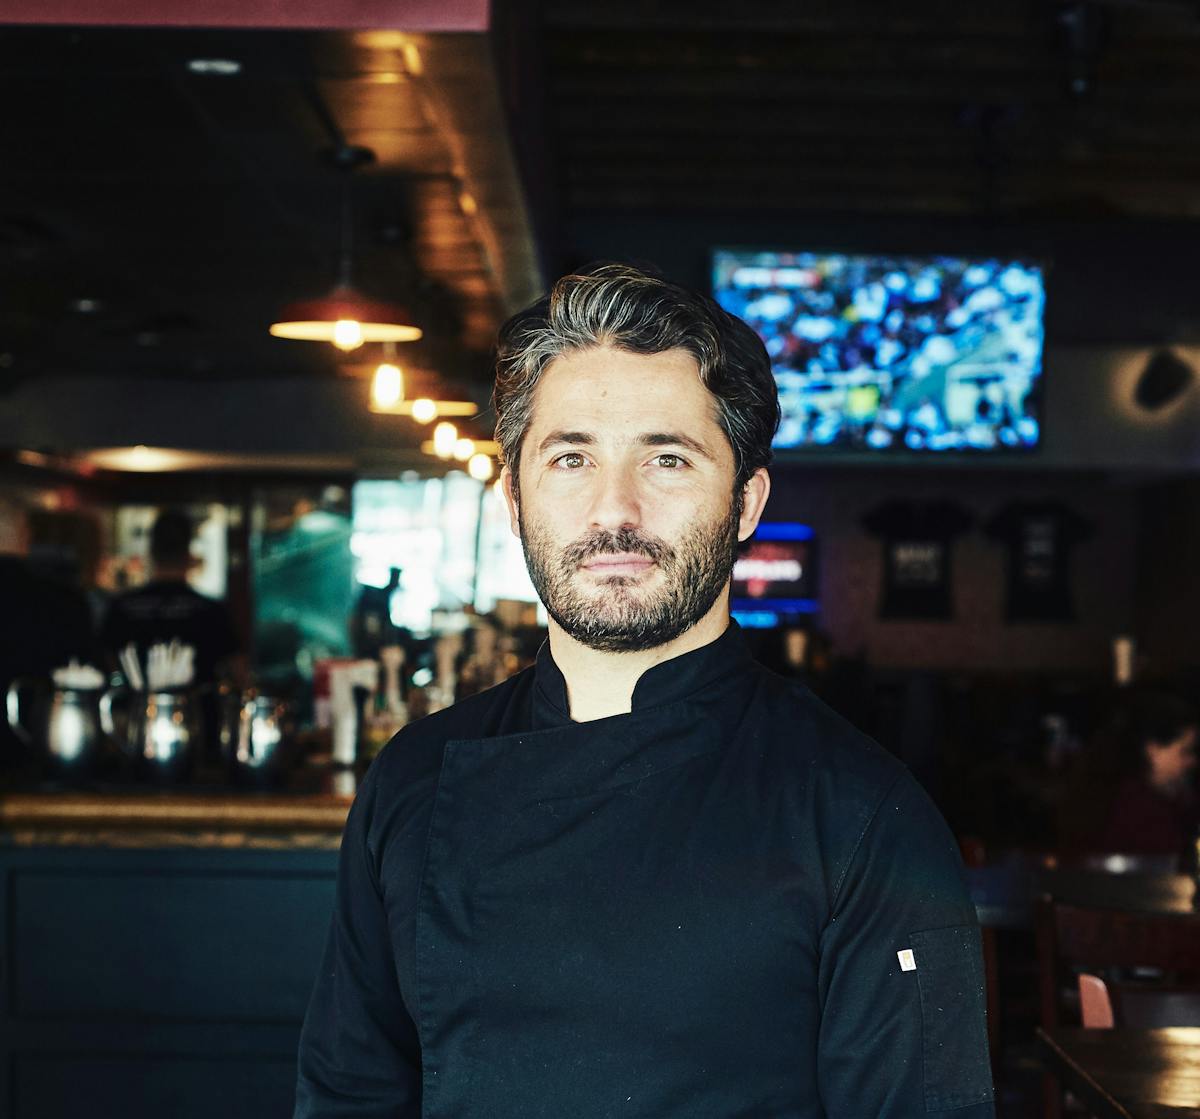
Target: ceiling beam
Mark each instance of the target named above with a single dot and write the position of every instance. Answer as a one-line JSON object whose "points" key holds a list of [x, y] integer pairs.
{"points": [[342, 15]]}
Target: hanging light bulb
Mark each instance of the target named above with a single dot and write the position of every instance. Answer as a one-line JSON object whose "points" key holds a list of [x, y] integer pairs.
{"points": [[445, 438], [345, 316], [424, 410], [464, 449], [347, 334], [387, 387], [480, 467]]}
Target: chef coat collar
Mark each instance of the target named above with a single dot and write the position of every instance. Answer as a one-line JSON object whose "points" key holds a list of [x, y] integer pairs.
{"points": [[679, 678]]}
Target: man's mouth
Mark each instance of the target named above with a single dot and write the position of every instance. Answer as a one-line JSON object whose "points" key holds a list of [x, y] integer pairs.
{"points": [[623, 563]]}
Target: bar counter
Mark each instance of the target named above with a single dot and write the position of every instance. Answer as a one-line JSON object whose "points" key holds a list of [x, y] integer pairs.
{"points": [[174, 819], [162, 944]]}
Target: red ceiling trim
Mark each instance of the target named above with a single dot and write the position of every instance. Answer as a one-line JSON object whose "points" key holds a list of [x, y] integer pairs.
{"points": [[398, 15]]}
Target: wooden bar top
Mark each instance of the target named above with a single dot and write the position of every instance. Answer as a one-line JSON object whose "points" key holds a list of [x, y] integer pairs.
{"points": [[179, 816], [175, 809]]}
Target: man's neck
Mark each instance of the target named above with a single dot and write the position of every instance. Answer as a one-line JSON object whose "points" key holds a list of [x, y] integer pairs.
{"points": [[601, 684], [169, 573]]}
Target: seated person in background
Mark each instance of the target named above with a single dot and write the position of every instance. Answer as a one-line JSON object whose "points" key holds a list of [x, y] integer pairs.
{"points": [[45, 623], [1154, 811], [167, 609]]}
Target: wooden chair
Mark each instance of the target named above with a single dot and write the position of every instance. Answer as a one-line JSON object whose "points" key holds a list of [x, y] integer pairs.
{"points": [[1093, 950], [1107, 1003], [1095, 1003]]}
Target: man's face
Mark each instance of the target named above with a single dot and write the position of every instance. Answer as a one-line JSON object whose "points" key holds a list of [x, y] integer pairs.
{"points": [[1172, 763], [626, 507]]}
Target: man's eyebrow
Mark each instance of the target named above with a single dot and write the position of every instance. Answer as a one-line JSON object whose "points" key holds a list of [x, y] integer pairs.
{"points": [[648, 439], [675, 439], [555, 437]]}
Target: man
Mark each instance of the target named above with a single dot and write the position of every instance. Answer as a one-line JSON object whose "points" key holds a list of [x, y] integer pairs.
{"points": [[167, 609], [371, 625], [646, 877]]}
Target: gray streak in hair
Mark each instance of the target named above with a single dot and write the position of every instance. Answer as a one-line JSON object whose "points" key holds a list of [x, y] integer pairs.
{"points": [[624, 307]]}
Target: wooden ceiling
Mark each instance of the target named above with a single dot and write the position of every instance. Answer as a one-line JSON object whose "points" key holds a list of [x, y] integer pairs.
{"points": [[964, 107], [153, 220], [187, 208]]}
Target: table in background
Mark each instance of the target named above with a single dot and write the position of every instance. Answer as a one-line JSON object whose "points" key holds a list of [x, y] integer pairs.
{"points": [[1004, 894], [1128, 1074]]}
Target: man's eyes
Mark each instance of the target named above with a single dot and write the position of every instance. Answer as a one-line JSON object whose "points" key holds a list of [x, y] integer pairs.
{"points": [[574, 460], [669, 461]]}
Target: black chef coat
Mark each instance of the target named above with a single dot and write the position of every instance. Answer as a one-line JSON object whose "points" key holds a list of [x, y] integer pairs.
{"points": [[696, 910]]}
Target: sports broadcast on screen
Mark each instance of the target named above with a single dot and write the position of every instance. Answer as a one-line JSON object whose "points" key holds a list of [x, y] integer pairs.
{"points": [[880, 353]]}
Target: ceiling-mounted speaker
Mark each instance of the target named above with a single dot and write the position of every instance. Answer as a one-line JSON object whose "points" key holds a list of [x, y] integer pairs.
{"points": [[1165, 377]]}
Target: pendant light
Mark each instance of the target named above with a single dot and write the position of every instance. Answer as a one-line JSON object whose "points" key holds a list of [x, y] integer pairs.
{"points": [[345, 316], [419, 392], [387, 382], [445, 438], [480, 467], [387, 386]]}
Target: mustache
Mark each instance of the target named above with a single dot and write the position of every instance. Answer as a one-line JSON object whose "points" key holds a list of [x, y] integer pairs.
{"points": [[626, 540]]}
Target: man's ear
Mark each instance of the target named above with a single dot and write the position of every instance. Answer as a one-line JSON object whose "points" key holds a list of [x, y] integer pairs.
{"points": [[754, 501], [508, 488]]}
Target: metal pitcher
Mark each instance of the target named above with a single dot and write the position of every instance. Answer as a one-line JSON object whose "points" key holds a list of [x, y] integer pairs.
{"points": [[161, 733], [62, 724], [256, 738]]}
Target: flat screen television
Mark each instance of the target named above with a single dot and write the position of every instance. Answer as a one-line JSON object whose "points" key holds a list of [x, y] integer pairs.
{"points": [[895, 353], [775, 575]]}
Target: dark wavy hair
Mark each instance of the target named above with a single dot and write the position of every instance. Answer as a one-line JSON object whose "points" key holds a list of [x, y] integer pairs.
{"points": [[625, 307], [1141, 717]]}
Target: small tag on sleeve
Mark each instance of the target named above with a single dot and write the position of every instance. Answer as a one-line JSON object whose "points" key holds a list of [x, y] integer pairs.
{"points": [[907, 960]]}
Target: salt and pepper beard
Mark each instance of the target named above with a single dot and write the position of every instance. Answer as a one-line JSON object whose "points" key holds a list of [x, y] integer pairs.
{"points": [[616, 616]]}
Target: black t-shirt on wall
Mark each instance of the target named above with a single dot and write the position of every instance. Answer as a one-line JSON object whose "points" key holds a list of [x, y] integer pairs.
{"points": [[917, 542], [1039, 536]]}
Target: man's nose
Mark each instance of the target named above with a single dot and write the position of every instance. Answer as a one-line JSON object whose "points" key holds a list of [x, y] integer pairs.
{"points": [[615, 500]]}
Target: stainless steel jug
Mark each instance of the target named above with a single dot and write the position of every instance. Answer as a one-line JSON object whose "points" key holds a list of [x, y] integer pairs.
{"points": [[161, 734], [63, 724], [256, 738]]}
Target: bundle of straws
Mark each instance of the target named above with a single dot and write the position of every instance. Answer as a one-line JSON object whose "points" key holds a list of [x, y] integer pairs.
{"points": [[169, 665]]}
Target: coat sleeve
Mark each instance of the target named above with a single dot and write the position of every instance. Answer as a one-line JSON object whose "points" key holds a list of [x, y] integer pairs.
{"points": [[903, 1029], [359, 1052]]}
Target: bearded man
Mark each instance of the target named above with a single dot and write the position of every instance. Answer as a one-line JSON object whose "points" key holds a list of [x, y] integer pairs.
{"points": [[646, 877]]}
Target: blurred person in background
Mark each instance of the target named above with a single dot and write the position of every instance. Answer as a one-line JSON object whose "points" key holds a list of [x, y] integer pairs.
{"points": [[45, 623], [168, 609], [1154, 810], [371, 624]]}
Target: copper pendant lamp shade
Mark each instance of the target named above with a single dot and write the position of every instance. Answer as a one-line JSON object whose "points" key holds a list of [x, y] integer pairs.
{"points": [[345, 316], [317, 320]]}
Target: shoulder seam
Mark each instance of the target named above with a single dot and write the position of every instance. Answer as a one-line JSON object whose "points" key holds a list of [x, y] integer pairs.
{"points": [[837, 889]]}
